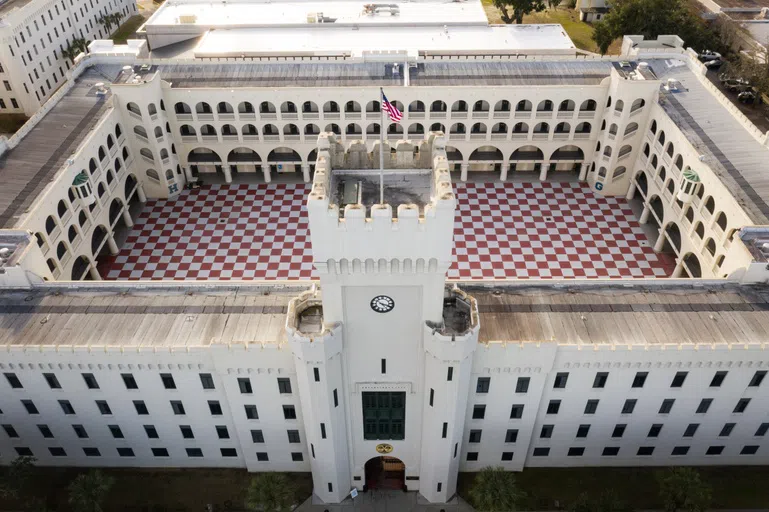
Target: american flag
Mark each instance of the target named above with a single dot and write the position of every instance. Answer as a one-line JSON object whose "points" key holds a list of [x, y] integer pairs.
{"points": [[391, 110]]}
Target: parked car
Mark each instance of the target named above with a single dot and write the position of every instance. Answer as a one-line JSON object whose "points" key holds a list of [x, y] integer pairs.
{"points": [[708, 55], [713, 64], [736, 84], [748, 96]]}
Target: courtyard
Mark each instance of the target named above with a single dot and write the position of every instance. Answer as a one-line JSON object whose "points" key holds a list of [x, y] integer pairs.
{"points": [[510, 230]]}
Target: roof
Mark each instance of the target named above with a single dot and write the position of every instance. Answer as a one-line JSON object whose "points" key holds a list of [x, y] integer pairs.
{"points": [[189, 316], [267, 13], [321, 40], [27, 169]]}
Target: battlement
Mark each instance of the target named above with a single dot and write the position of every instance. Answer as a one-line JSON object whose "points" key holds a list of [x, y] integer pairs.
{"points": [[415, 220]]}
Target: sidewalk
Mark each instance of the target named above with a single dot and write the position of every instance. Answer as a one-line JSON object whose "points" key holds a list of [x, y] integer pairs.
{"points": [[385, 501]]}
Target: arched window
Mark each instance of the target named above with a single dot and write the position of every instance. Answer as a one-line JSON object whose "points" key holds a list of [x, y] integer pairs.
{"points": [[521, 128], [653, 127], [438, 106], [245, 107], [134, 108], [545, 106], [224, 108], [710, 246], [588, 106], [680, 162], [619, 106], [153, 175], [637, 104], [523, 106], [61, 250], [50, 225], [613, 129], [583, 128], [203, 108], [710, 204], [618, 173], [631, 129], [721, 221], [62, 209], [152, 109], [542, 128], [182, 108], [624, 150], [169, 175], [562, 128], [566, 106]]}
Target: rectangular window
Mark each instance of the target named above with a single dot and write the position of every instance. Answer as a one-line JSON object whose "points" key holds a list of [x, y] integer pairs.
{"points": [[619, 430], [384, 366], [600, 380], [680, 450], [444, 430], [691, 429], [215, 407], [194, 452], [45, 431], [583, 430], [330, 487], [141, 408], [384, 415], [7, 85], [679, 379], [312, 449], [742, 404], [667, 405], [13, 381], [116, 432], [482, 386], [52, 381], [222, 432], [129, 381], [714, 450], [284, 385], [168, 381], [553, 406], [629, 406], [251, 412], [10, 431], [645, 450], [316, 374], [475, 435], [80, 431], [23, 451], [546, 432], [178, 407], [91, 452], [297, 456], [90, 381], [762, 429], [749, 450], [704, 405], [727, 429], [610, 451], [14, 103], [541, 452], [516, 412], [757, 378], [187, 432], [293, 436], [655, 430], [336, 398], [257, 436], [103, 407], [522, 385], [718, 379], [472, 456], [450, 374], [289, 412], [479, 412], [591, 406], [125, 452], [151, 432], [29, 405], [456, 447], [511, 435], [507, 456], [262, 456], [640, 379], [576, 451], [244, 384], [432, 396], [560, 380], [57, 451], [160, 452], [207, 381], [66, 407]]}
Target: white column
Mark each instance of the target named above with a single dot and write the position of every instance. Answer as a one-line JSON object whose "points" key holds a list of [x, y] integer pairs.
{"points": [[678, 271], [141, 194], [187, 173], [227, 173], [644, 218], [465, 168], [583, 171], [113, 249], [129, 222], [94, 273], [543, 171], [630, 191], [306, 172], [266, 172], [660, 243], [505, 167]]}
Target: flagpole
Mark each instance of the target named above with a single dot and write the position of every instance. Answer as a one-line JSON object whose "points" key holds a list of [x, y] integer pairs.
{"points": [[381, 146]]}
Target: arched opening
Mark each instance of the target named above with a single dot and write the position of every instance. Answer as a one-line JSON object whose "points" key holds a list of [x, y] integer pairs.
{"points": [[659, 210], [385, 473], [563, 128], [673, 236], [486, 159], [526, 159], [455, 159], [245, 160], [284, 160], [80, 269], [567, 158], [642, 183], [588, 106], [182, 108], [691, 266], [653, 127], [204, 160], [203, 108]]}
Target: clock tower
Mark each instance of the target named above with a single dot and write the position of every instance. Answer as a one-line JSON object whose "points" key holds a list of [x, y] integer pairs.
{"points": [[383, 348]]}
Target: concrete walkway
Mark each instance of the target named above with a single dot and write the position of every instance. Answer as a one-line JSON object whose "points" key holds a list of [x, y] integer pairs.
{"points": [[385, 501]]}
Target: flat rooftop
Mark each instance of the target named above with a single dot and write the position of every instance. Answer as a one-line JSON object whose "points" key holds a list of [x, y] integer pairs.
{"points": [[180, 316], [401, 186], [318, 40], [11, 5], [267, 13]]}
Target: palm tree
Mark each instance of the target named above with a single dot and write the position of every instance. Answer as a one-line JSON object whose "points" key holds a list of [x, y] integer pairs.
{"points": [[271, 492], [683, 489], [106, 21], [88, 491], [495, 490]]}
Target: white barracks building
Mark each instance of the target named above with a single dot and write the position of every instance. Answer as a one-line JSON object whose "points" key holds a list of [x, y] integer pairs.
{"points": [[568, 267]]}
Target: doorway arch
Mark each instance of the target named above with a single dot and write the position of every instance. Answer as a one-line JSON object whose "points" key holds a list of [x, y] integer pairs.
{"points": [[385, 473]]}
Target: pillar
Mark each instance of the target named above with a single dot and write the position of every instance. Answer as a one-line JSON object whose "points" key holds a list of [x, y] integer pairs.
{"points": [[113, 249], [129, 222], [543, 171], [505, 167], [306, 172], [630, 191], [465, 168], [188, 174], [660, 243], [679, 268], [583, 171], [94, 273], [644, 218], [141, 194], [227, 173], [266, 172]]}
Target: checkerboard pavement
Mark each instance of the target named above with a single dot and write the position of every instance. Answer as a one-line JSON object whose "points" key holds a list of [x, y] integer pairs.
{"points": [[502, 230]]}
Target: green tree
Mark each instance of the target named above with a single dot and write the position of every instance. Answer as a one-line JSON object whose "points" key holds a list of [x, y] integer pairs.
{"points": [[519, 9], [88, 491], [106, 21], [651, 18], [15, 478], [271, 492], [607, 501], [683, 489], [494, 490]]}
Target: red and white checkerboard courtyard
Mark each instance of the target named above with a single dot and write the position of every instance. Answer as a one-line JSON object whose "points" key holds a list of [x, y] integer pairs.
{"points": [[502, 231]]}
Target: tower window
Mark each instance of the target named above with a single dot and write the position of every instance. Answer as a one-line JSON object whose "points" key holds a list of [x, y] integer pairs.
{"points": [[384, 415]]}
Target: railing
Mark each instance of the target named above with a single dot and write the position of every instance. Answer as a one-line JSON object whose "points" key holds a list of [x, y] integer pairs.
{"points": [[148, 160], [45, 248], [498, 136], [247, 116], [630, 134], [184, 117], [141, 137], [268, 115], [75, 242], [459, 114], [65, 218], [416, 115], [611, 136], [520, 136], [332, 115], [229, 137], [579, 135], [165, 160], [113, 150], [64, 259], [134, 115], [289, 115], [589, 114], [438, 115], [204, 116], [369, 115], [501, 114], [480, 114], [95, 176], [560, 136], [226, 116], [271, 137], [544, 114], [121, 139], [540, 136], [153, 117], [292, 136], [189, 138], [477, 136], [356, 115], [457, 136], [617, 113], [635, 112], [568, 114], [523, 114], [209, 138]]}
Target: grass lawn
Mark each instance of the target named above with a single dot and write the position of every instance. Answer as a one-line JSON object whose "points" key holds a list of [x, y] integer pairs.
{"points": [[166, 490], [579, 32], [733, 487], [127, 29]]}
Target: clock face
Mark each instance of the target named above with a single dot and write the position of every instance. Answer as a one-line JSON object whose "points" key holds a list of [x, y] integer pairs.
{"points": [[382, 304]]}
